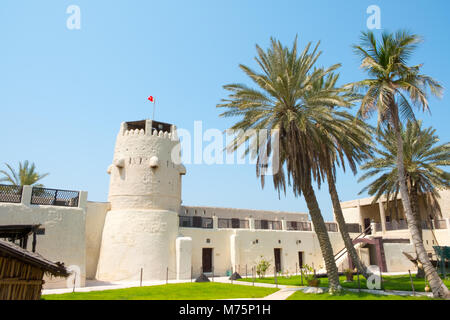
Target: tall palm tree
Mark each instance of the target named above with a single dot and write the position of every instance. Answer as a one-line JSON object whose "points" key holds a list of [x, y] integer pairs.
{"points": [[25, 175], [280, 101], [352, 145], [423, 160], [392, 89]]}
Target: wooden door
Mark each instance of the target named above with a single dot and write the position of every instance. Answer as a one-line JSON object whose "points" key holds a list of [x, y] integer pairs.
{"points": [[300, 259], [277, 254], [207, 259], [367, 224]]}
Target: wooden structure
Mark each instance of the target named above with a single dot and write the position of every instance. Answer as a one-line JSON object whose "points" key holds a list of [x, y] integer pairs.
{"points": [[20, 233], [22, 272]]}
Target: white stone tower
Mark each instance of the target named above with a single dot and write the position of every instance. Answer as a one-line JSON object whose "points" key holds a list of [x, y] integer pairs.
{"points": [[141, 228]]}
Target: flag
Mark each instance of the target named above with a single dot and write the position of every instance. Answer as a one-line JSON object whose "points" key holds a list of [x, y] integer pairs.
{"points": [[151, 99]]}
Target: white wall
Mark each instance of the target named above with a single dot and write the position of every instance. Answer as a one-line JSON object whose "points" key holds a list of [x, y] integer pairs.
{"points": [[64, 238], [95, 220], [396, 261], [249, 253]]}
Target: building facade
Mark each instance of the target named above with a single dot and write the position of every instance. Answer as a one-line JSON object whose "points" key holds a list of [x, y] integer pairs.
{"points": [[143, 231]]}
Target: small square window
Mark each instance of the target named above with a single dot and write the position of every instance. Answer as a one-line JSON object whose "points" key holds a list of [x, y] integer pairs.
{"points": [[208, 240]]}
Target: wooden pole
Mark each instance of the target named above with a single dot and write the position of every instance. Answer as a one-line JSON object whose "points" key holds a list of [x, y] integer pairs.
{"points": [[167, 275], [141, 276], [253, 276], [231, 277], [212, 274], [296, 268], [275, 276], [74, 281], [191, 272], [412, 283], [34, 242], [301, 275], [381, 280], [359, 284]]}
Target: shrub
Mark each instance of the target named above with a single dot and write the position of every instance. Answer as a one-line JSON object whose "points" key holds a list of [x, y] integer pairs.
{"points": [[262, 267]]}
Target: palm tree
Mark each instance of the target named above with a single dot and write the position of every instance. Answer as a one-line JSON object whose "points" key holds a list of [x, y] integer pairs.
{"points": [[423, 160], [26, 175], [354, 144], [392, 90], [283, 101]]}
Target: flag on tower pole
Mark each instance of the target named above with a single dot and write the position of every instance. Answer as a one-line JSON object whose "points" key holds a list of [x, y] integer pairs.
{"points": [[152, 100]]}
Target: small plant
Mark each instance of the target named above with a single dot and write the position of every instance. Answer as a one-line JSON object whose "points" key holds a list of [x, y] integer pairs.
{"points": [[286, 274], [310, 276], [349, 274], [262, 266]]}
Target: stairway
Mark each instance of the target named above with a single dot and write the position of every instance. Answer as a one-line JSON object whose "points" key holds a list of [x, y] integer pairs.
{"points": [[341, 255]]}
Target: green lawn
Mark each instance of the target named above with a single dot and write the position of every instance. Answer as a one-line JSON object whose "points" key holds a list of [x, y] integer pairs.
{"points": [[401, 282], [179, 291], [347, 295]]}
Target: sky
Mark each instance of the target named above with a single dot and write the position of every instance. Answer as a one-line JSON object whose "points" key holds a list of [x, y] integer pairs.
{"points": [[64, 92]]}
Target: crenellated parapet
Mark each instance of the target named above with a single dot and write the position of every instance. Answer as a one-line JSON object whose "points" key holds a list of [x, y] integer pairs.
{"points": [[143, 172]]}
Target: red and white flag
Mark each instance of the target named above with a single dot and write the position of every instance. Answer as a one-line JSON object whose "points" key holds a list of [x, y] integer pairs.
{"points": [[151, 99]]}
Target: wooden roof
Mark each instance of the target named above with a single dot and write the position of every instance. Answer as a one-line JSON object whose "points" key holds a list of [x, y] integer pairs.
{"points": [[9, 249], [18, 231]]}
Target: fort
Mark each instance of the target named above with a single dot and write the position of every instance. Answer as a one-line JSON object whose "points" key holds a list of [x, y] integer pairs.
{"points": [[144, 231]]}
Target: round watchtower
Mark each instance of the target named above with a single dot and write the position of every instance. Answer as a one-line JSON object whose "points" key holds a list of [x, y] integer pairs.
{"points": [[145, 195]]}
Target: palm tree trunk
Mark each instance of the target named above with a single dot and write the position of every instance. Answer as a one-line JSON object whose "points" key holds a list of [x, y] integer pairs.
{"points": [[416, 213], [436, 283], [343, 227], [414, 197], [322, 236]]}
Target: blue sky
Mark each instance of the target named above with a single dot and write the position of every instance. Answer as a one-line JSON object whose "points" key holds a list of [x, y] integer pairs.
{"points": [[65, 92]]}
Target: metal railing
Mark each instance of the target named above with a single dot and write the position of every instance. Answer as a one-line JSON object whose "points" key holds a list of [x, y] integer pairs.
{"points": [[331, 226], [298, 226], [268, 225], [10, 193], [343, 251], [440, 224], [233, 223], [195, 222], [353, 227], [55, 197], [403, 225]]}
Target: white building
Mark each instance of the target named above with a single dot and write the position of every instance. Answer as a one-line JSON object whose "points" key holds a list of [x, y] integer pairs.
{"points": [[144, 231]]}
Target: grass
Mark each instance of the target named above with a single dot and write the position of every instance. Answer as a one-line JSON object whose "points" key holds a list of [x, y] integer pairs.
{"points": [[348, 295], [400, 282], [179, 291]]}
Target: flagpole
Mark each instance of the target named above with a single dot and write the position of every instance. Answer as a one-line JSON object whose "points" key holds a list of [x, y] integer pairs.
{"points": [[154, 102]]}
